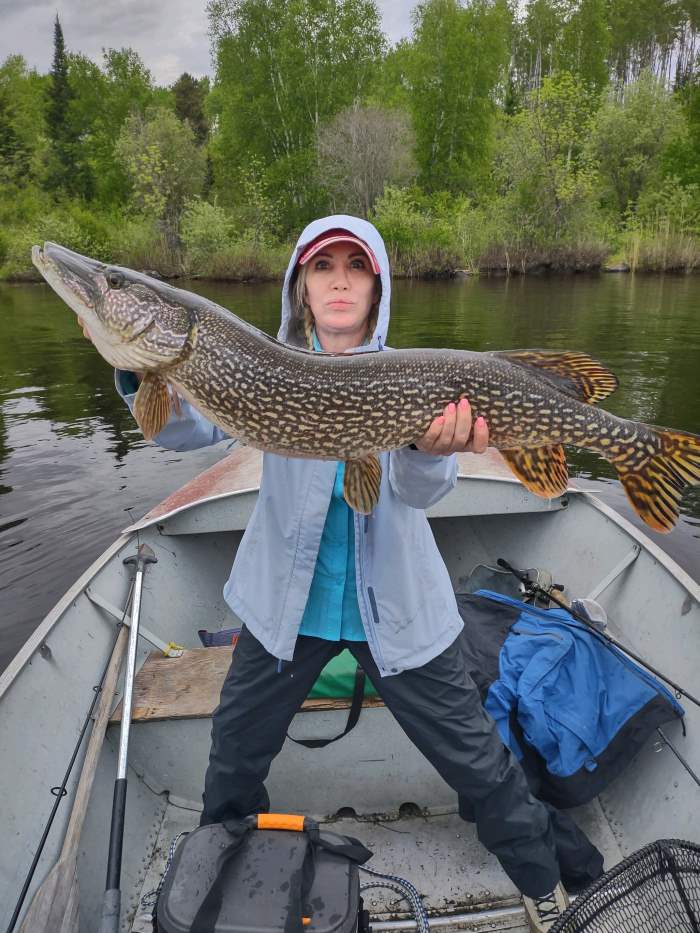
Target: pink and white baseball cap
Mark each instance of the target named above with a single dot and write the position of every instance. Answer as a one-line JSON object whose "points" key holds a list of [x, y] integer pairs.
{"points": [[336, 236]]}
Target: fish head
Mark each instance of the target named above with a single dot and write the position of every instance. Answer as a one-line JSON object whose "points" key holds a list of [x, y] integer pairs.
{"points": [[135, 321]]}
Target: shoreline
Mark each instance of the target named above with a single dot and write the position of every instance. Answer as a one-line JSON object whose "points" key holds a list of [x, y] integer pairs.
{"points": [[541, 272]]}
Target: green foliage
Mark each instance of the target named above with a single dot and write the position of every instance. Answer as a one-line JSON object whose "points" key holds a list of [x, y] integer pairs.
{"points": [[585, 43], [664, 232], [60, 174], [164, 163], [70, 226], [544, 172], [189, 95], [523, 161], [282, 69], [127, 89], [457, 58], [417, 232], [629, 137], [247, 260], [681, 158], [538, 41], [205, 229]]}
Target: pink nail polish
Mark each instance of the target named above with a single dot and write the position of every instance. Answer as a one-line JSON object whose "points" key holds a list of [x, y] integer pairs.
{"points": [[451, 407], [481, 421]]}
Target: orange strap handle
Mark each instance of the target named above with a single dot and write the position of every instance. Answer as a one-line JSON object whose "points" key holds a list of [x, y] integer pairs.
{"points": [[290, 821]]}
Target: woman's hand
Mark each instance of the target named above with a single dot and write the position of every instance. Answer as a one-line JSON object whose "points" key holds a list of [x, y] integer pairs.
{"points": [[86, 332], [452, 432]]}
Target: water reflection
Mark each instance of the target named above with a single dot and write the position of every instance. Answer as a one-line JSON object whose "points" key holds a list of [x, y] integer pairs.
{"points": [[72, 460]]}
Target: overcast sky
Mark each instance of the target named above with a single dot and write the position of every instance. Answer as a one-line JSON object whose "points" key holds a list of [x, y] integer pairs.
{"points": [[169, 35]]}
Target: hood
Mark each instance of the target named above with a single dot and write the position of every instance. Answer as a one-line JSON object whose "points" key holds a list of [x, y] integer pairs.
{"points": [[365, 231]]}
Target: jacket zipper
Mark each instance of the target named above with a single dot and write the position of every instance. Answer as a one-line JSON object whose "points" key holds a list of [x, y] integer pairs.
{"points": [[370, 613]]}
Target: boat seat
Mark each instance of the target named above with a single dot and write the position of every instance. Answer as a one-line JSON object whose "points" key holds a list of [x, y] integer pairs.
{"points": [[188, 687]]}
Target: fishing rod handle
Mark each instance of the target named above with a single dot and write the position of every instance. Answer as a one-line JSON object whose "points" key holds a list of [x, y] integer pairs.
{"points": [[143, 557]]}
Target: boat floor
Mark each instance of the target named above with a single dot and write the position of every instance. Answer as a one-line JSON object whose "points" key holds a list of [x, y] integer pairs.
{"points": [[462, 884]]}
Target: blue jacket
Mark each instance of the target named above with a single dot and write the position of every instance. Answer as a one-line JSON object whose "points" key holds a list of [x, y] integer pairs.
{"points": [[572, 694], [407, 604]]}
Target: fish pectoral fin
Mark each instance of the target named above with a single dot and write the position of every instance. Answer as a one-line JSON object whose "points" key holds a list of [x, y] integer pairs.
{"points": [[152, 405], [542, 470], [361, 483], [575, 374]]}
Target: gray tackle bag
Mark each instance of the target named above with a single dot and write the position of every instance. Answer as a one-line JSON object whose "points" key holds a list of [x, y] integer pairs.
{"points": [[269, 873]]}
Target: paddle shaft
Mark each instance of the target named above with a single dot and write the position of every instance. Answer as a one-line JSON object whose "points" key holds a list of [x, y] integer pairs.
{"points": [[56, 897], [111, 905], [605, 637]]}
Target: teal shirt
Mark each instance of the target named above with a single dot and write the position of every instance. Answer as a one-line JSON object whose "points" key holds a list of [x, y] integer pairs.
{"points": [[331, 609]]}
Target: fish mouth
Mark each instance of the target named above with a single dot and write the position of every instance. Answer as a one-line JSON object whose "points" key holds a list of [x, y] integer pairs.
{"points": [[76, 278]]}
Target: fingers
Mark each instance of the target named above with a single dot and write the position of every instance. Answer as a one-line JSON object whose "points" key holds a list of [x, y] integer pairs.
{"points": [[453, 431], [86, 332], [480, 436]]}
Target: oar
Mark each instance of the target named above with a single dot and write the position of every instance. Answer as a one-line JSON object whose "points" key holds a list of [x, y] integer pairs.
{"points": [[54, 908], [111, 904]]}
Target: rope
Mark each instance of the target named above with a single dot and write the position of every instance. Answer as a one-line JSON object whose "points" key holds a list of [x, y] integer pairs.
{"points": [[149, 901], [406, 890]]}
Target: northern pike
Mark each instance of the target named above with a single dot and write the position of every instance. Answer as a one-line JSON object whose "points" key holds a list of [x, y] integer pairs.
{"points": [[351, 406]]}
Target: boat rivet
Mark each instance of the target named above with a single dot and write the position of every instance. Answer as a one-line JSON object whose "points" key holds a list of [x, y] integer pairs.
{"points": [[45, 651]]}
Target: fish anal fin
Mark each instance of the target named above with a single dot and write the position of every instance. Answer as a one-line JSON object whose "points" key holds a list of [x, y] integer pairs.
{"points": [[152, 405], [542, 470], [361, 483], [575, 374], [655, 484]]}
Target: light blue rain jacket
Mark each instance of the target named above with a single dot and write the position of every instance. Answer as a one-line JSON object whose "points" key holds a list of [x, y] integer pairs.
{"points": [[404, 592]]}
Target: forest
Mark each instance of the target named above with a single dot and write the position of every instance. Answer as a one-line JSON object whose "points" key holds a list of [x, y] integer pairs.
{"points": [[499, 138]]}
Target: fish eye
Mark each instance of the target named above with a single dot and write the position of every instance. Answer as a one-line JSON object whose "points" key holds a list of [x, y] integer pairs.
{"points": [[115, 279]]}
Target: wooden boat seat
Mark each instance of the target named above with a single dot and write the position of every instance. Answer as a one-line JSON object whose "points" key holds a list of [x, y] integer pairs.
{"points": [[188, 687]]}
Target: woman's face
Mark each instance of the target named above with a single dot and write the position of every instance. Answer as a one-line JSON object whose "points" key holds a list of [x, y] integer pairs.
{"points": [[340, 290]]}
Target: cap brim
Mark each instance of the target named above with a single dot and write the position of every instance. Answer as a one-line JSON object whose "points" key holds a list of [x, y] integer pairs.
{"points": [[310, 251]]}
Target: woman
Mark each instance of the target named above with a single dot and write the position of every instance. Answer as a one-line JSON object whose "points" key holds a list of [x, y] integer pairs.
{"points": [[311, 578]]}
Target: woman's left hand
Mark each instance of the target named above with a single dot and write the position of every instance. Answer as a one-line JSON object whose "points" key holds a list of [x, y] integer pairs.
{"points": [[453, 432]]}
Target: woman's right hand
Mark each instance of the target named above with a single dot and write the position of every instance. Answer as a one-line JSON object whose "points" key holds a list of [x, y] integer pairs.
{"points": [[86, 332]]}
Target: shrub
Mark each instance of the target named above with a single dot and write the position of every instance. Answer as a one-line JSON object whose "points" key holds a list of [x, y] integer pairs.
{"points": [[205, 230]]}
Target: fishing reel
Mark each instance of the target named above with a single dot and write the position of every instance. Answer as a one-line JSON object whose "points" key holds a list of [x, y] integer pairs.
{"points": [[536, 585]]}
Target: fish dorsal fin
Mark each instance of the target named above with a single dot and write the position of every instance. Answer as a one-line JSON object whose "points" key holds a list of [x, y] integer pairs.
{"points": [[361, 483], [575, 374], [152, 405], [542, 470]]}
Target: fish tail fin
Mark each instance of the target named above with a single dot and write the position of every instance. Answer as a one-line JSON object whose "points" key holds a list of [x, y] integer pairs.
{"points": [[656, 471]]}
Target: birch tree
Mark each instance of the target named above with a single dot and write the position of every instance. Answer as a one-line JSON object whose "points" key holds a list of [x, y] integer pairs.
{"points": [[283, 68], [456, 65]]}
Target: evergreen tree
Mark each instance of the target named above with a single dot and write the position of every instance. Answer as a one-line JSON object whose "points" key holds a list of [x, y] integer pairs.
{"points": [[59, 175], [13, 159], [189, 97]]}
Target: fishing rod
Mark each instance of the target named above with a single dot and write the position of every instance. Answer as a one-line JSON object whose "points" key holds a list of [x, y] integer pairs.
{"points": [[60, 791], [548, 594]]}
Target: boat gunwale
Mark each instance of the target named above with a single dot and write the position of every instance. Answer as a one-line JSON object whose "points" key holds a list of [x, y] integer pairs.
{"points": [[26, 652], [54, 615]]}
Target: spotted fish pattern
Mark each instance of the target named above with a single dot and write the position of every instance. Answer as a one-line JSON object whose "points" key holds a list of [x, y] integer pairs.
{"points": [[352, 406]]}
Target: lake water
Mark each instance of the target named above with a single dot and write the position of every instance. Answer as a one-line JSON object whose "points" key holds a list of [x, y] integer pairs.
{"points": [[74, 469]]}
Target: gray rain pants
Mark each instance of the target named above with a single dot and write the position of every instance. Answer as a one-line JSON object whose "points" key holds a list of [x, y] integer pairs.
{"points": [[438, 707]]}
